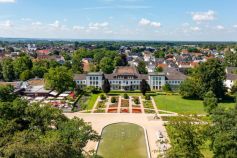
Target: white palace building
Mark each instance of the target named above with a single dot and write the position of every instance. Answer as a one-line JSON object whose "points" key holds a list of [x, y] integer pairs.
{"points": [[128, 78]]}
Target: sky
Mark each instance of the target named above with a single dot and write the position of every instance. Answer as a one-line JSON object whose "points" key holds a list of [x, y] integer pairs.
{"points": [[159, 20]]}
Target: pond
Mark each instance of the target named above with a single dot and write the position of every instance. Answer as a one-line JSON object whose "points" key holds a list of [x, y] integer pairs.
{"points": [[123, 140]]}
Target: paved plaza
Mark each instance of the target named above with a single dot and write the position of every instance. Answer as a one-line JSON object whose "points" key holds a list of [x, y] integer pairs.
{"points": [[99, 121]]}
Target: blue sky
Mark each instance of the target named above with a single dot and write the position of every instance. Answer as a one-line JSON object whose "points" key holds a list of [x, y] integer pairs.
{"points": [[192, 20]]}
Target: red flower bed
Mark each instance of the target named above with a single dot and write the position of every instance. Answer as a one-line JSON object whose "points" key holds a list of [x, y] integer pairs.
{"points": [[136, 111], [124, 110], [112, 110]]}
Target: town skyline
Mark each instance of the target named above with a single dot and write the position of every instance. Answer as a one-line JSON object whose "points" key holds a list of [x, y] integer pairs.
{"points": [[119, 20]]}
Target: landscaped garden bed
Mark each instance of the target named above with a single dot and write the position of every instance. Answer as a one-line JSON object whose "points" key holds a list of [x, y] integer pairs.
{"points": [[101, 104], [136, 111], [149, 111], [124, 110], [113, 105], [112, 110], [136, 101], [124, 103], [99, 111], [148, 104]]}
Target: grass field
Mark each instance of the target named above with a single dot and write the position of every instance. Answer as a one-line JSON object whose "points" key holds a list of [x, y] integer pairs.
{"points": [[176, 103], [123, 140]]}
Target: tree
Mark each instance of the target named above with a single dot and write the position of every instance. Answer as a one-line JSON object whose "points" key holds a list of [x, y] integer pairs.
{"points": [[106, 86], [21, 64], [160, 54], [142, 68], [187, 89], [59, 78], [212, 75], [186, 138], [210, 102], [106, 65], [77, 66], [118, 61], [39, 71], [166, 88], [41, 131], [158, 69], [144, 86], [230, 59], [8, 70], [25, 75], [6, 93], [223, 132], [208, 76]]}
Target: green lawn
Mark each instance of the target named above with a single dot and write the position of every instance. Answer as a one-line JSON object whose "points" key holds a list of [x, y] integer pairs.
{"points": [[176, 103], [123, 140], [91, 101], [87, 101]]}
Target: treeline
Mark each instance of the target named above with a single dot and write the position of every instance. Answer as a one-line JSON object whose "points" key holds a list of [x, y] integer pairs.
{"points": [[22, 68]]}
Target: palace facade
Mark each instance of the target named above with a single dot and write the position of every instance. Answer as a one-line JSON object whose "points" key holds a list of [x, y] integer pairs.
{"points": [[127, 78]]}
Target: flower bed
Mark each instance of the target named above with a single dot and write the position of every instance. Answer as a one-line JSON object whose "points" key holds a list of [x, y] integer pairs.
{"points": [[99, 111], [136, 101], [136, 111], [124, 110], [148, 111], [115, 105], [112, 111], [148, 104], [124, 103], [101, 104]]}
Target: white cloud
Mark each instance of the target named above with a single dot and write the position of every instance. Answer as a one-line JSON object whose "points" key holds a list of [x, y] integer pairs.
{"points": [[235, 26], [220, 27], [7, 1], [56, 24], [37, 23], [146, 22], [97, 26], [203, 16], [6, 24], [195, 28], [78, 28], [156, 24]]}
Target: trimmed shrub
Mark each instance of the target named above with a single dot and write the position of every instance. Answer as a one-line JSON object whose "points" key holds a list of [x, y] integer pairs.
{"points": [[102, 97], [125, 96], [148, 97], [136, 101], [113, 100]]}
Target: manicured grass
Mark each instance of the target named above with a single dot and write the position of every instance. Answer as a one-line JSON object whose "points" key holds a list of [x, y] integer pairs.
{"points": [[91, 101], [148, 104], [123, 140], [87, 101], [176, 103]]}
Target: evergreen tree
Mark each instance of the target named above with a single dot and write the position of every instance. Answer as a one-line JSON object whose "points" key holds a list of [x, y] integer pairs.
{"points": [[144, 86], [106, 86]]}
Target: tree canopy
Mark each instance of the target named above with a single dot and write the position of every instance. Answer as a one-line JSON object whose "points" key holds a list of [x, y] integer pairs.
{"points": [[59, 78], [41, 131], [209, 76]]}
